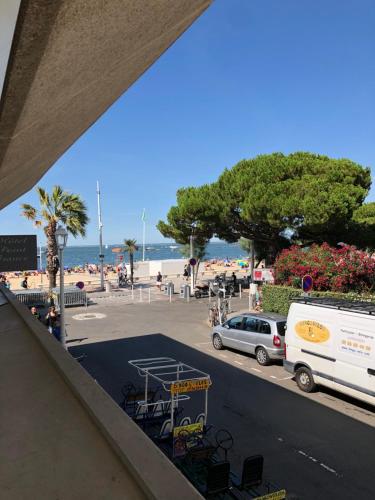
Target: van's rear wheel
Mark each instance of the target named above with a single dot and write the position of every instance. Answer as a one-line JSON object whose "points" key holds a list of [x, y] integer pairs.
{"points": [[305, 380]]}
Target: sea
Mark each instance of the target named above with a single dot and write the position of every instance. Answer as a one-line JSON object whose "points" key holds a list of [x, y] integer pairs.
{"points": [[80, 255]]}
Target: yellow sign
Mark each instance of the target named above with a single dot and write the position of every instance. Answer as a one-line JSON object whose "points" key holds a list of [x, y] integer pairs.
{"points": [[191, 429], [276, 495], [312, 331], [182, 438], [190, 386]]}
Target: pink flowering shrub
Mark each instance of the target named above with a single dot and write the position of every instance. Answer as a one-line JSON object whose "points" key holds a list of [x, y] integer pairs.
{"points": [[340, 270]]}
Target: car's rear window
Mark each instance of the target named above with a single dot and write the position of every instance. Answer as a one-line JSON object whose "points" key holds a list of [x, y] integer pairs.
{"points": [[281, 328]]}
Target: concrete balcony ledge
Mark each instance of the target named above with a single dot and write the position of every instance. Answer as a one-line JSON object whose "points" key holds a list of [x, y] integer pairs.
{"points": [[62, 436]]}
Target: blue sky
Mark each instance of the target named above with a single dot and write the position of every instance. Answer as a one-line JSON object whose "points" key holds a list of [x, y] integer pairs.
{"points": [[249, 77]]}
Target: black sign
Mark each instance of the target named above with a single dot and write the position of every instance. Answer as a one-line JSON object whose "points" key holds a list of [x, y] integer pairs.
{"points": [[18, 253]]}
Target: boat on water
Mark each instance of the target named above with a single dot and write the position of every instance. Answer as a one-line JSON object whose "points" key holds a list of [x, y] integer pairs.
{"points": [[150, 248], [173, 247]]}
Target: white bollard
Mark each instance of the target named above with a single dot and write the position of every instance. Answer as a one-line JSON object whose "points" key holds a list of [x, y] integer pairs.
{"points": [[252, 294], [240, 286], [170, 294], [133, 293], [149, 295]]}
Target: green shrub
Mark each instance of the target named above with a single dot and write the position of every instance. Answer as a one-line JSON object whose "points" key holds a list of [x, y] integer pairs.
{"points": [[277, 298]]}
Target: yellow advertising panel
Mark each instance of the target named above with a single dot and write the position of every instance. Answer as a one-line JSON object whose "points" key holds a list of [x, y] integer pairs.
{"points": [[191, 429], [312, 331], [181, 435], [190, 386], [276, 495]]}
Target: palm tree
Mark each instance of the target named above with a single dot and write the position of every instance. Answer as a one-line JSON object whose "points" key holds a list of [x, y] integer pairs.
{"points": [[59, 206], [131, 247]]}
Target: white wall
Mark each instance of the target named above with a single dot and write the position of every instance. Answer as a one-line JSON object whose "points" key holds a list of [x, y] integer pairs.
{"points": [[8, 18], [141, 269], [167, 267]]}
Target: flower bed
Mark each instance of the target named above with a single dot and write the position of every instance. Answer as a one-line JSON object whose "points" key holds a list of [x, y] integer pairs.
{"points": [[344, 269]]}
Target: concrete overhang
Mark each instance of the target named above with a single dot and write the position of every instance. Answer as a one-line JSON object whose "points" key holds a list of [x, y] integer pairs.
{"points": [[69, 61]]}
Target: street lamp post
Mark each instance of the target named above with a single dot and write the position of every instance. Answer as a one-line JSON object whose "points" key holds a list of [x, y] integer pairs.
{"points": [[61, 236], [192, 236]]}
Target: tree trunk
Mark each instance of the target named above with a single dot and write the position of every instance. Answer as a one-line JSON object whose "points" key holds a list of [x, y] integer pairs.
{"points": [[131, 266], [52, 254]]}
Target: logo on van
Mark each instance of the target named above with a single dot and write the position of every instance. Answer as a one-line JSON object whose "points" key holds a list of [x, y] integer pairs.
{"points": [[312, 331]]}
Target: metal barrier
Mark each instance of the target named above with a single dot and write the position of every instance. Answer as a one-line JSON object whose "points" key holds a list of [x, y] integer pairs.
{"points": [[33, 297], [73, 296]]}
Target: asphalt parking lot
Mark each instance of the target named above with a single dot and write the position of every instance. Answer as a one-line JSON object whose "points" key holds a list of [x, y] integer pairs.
{"points": [[316, 445]]}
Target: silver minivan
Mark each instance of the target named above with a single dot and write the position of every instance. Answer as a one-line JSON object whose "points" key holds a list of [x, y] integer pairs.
{"points": [[261, 334]]}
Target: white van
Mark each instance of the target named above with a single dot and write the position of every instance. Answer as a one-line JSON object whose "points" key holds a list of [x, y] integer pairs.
{"points": [[331, 342]]}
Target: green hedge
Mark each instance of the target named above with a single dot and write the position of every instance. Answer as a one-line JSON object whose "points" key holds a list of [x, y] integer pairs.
{"points": [[276, 298]]}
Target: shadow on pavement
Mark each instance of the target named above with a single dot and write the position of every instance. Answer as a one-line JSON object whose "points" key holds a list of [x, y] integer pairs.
{"points": [[295, 435]]}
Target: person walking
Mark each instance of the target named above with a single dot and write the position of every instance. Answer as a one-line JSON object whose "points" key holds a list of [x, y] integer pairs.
{"points": [[52, 321], [159, 279], [24, 283]]}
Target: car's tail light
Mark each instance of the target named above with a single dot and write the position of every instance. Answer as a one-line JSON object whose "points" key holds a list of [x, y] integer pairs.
{"points": [[276, 341]]}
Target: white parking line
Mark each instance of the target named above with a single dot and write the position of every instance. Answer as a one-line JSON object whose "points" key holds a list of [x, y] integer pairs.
{"points": [[278, 378], [328, 468], [315, 460], [256, 370], [223, 355], [238, 362]]}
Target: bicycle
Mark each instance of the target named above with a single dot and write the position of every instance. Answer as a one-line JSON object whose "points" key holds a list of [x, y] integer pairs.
{"points": [[213, 315], [217, 314]]}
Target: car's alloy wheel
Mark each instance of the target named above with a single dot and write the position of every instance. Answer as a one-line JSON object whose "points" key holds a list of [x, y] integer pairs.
{"points": [[217, 342], [262, 356]]}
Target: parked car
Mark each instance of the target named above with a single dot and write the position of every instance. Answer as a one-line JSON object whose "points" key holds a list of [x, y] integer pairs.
{"points": [[260, 334], [331, 342]]}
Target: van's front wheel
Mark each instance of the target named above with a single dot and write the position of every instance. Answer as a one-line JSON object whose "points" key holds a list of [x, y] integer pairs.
{"points": [[305, 380]]}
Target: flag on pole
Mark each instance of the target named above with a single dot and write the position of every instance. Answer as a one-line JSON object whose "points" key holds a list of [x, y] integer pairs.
{"points": [[144, 215]]}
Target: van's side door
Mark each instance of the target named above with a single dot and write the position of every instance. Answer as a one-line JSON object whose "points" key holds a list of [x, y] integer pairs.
{"points": [[247, 337], [355, 356]]}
